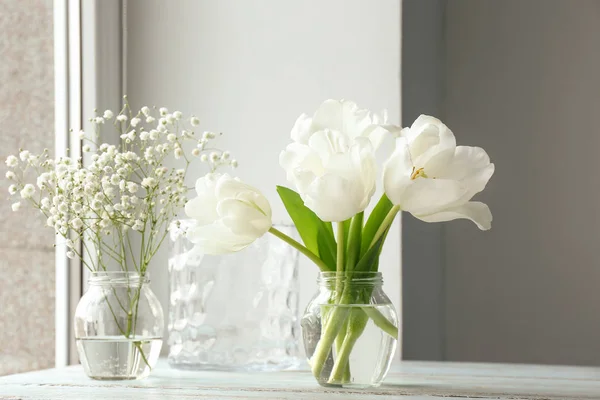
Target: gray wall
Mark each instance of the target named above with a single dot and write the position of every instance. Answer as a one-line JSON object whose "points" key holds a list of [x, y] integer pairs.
{"points": [[26, 246], [422, 85], [522, 80]]}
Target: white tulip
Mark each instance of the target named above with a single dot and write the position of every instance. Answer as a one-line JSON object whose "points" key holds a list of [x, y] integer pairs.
{"points": [[229, 214], [343, 116], [331, 160], [433, 179]]}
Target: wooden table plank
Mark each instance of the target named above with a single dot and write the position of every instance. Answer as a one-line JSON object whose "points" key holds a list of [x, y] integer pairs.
{"points": [[407, 380]]}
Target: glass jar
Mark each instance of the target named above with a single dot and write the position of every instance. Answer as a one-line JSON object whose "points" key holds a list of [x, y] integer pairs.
{"points": [[119, 326], [235, 311], [350, 330]]}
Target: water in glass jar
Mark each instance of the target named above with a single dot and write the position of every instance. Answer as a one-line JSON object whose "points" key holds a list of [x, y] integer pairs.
{"points": [[117, 357]]}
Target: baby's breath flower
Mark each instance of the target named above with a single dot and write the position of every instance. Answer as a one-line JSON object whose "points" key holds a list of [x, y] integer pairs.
{"points": [[138, 225], [225, 155], [148, 182], [12, 161], [16, 206], [71, 254], [102, 196], [45, 203], [27, 191], [76, 223], [24, 155], [208, 135], [234, 163]]}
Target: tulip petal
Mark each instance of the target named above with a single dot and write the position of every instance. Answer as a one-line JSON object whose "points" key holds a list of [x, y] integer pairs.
{"points": [[332, 198], [428, 147], [397, 170], [427, 196], [329, 142], [301, 156], [466, 160], [244, 217], [203, 207], [335, 115], [476, 211], [217, 239], [471, 165], [302, 129]]}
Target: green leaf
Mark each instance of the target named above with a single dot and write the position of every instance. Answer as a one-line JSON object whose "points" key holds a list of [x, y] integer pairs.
{"points": [[346, 232], [371, 257], [327, 248], [354, 241], [307, 223], [377, 216]]}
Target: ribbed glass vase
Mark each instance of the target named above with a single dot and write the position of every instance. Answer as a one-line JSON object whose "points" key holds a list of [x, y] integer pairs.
{"points": [[233, 312]]}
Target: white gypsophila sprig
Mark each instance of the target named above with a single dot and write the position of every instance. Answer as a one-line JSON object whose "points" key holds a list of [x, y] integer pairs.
{"points": [[123, 190]]}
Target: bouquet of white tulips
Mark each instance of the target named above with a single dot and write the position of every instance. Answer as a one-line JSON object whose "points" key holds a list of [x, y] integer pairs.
{"points": [[331, 163]]}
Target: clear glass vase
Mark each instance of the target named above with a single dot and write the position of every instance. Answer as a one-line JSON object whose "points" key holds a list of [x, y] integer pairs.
{"points": [[119, 326], [350, 330], [233, 312]]}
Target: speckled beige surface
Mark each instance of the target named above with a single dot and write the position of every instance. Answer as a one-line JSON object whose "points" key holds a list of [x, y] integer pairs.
{"points": [[26, 121]]}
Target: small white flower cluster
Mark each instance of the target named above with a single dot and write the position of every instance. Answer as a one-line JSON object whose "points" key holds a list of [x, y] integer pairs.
{"points": [[124, 188]]}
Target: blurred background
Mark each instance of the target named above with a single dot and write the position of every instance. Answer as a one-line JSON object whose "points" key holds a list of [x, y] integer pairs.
{"points": [[518, 78]]}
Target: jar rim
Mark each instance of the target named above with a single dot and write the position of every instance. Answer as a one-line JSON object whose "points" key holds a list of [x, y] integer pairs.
{"points": [[353, 276], [118, 277]]}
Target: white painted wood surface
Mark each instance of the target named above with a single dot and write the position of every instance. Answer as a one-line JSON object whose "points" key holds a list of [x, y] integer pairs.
{"points": [[408, 380]]}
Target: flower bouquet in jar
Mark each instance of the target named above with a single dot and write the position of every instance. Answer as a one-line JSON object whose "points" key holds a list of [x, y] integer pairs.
{"points": [[113, 212], [350, 327]]}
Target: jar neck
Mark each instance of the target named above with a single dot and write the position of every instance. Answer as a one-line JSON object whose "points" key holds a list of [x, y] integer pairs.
{"points": [[329, 280], [118, 278]]}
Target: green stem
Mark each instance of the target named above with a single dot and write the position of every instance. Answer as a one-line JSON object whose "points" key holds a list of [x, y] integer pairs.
{"points": [[339, 341], [381, 321], [340, 248], [354, 241], [339, 268], [387, 221], [356, 325], [335, 321], [312, 256]]}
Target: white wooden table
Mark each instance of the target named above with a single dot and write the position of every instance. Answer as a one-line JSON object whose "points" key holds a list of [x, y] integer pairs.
{"points": [[408, 380]]}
